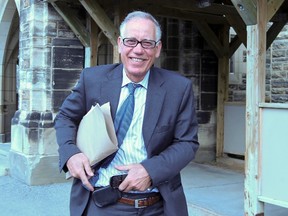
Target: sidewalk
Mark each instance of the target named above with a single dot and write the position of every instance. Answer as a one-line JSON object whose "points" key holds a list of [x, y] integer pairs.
{"points": [[4, 151], [216, 191], [213, 191], [210, 191]]}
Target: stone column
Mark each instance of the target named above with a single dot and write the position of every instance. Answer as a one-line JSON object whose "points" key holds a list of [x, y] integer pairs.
{"points": [[34, 157]]}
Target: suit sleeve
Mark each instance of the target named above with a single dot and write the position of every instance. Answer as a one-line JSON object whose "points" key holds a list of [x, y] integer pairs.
{"points": [[67, 120], [182, 143]]}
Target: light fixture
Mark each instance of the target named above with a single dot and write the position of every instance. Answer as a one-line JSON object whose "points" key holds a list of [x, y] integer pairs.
{"points": [[204, 3]]}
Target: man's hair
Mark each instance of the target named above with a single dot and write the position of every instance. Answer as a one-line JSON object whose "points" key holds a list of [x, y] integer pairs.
{"points": [[143, 15]]}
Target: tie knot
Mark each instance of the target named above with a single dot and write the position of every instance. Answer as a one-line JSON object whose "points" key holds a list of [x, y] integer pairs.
{"points": [[132, 86]]}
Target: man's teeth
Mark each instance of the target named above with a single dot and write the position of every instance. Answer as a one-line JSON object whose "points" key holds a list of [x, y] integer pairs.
{"points": [[137, 59]]}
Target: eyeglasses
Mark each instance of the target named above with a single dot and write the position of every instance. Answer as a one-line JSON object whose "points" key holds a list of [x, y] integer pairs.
{"points": [[146, 44]]}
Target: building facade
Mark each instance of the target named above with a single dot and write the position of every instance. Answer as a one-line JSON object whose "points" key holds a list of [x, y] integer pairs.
{"points": [[42, 58]]}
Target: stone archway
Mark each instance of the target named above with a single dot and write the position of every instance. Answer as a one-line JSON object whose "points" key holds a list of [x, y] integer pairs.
{"points": [[9, 50]]}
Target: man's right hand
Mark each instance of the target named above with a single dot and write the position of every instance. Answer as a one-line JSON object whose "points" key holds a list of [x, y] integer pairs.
{"points": [[79, 167]]}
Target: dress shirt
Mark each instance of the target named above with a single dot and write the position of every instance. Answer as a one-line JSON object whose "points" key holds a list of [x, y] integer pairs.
{"points": [[132, 149]]}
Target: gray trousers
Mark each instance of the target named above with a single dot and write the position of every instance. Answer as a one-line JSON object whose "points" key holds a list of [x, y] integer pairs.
{"points": [[123, 209]]}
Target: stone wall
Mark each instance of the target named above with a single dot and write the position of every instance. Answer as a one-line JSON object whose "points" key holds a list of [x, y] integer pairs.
{"points": [[279, 68], [185, 51], [50, 61], [276, 72]]}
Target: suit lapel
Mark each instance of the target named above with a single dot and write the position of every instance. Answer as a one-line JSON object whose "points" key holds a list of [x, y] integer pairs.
{"points": [[154, 101], [111, 88]]}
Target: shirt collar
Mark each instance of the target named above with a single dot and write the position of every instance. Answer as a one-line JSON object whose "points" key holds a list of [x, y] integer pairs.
{"points": [[143, 82]]}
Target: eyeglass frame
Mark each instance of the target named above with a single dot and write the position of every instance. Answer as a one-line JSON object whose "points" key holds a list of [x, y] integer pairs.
{"points": [[145, 40]]}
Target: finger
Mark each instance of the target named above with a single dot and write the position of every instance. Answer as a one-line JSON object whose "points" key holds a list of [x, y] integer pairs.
{"points": [[86, 182], [124, 185], [88, 169], [122, 168], [75, 164]]}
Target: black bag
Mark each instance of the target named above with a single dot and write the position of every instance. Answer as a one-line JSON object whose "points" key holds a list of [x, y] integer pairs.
{"points": [[106, 196]]}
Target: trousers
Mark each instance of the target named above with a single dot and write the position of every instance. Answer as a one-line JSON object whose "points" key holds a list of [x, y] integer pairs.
{"points": [[123, 209]]}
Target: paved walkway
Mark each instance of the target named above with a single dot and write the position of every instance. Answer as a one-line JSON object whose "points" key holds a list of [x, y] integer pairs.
{"points": [[210, 191], [215, 191]]}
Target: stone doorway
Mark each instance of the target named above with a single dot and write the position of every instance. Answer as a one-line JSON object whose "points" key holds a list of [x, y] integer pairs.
{"points": [[9, 51]]}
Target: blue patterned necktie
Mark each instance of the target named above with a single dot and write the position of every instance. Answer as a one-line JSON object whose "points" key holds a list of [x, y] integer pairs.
{"points": [[124, 116]]}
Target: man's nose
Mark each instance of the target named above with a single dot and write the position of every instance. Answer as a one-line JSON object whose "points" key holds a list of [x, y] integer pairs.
{"points": [[138, 48]]}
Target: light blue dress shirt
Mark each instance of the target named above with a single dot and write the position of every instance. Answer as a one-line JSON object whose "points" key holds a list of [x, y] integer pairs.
{"points": [[132, 149]]}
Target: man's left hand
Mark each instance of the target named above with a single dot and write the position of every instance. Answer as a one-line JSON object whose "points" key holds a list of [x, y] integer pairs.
{"points": [[137, 179]]}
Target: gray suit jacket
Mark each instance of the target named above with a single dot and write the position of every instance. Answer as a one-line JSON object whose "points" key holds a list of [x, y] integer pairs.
{"points": [[169, 128]]}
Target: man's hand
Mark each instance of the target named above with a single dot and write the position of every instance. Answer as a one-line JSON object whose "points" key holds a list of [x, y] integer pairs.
{"points": [[137, 178], [79, 167]]}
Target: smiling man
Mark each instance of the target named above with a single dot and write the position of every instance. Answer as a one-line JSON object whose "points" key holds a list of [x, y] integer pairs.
{"points": [[155, 121], [138, 59]]}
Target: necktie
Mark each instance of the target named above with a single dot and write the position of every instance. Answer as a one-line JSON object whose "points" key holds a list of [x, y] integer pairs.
{"points": [[125, 114], [123, 120], [122, 123]]}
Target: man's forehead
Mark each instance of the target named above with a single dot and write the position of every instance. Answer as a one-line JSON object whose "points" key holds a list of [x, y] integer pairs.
{"points": [[139, 19], [134, 25]]}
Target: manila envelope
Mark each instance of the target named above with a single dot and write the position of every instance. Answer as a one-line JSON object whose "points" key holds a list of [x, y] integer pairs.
{"points": [[96, 136]]}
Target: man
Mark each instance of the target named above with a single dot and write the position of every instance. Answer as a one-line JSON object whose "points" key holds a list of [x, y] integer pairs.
{"points": [[161, 139]]}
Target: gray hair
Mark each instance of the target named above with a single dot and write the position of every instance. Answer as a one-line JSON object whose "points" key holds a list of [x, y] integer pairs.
{"points": [[143, 15]]}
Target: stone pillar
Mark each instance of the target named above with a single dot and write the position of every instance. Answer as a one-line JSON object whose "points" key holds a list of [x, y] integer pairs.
{"points": [[34, 157]]}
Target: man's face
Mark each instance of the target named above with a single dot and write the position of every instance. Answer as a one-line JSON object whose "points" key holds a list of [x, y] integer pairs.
{"points": [[137, 60]]}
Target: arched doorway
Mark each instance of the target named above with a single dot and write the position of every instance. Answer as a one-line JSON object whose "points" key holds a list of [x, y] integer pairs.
{"points": [[9, 50]]}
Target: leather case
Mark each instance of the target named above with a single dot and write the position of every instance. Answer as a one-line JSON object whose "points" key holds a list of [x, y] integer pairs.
{"points": [[106, 196]]}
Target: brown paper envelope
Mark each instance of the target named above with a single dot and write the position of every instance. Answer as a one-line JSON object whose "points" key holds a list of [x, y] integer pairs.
{"points": [[96, 136]]}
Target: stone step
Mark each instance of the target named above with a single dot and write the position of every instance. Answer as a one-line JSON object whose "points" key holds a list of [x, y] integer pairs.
{"points": [[4, 160]]}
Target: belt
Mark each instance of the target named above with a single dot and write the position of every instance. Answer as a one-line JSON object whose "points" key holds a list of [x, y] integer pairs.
{"points": [[138, 200], [142, 202]]}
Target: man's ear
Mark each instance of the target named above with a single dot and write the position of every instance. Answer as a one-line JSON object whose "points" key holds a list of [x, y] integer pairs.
{"points": [[158, 47]]}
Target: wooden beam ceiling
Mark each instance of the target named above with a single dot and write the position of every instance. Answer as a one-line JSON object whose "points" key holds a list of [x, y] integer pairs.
{"points": [[211, 38], [102, 20], [235, 13], [239, 27], [234, 45], [185, 15], [247, 10], [191, 6], [273, 7], [273, 32]]}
